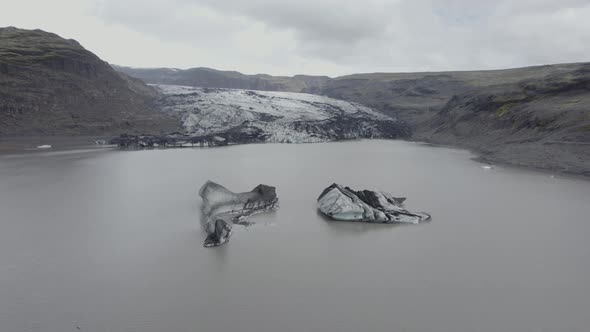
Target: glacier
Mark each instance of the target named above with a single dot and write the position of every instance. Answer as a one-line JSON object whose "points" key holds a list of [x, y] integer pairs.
{"points": [[247, 116]]}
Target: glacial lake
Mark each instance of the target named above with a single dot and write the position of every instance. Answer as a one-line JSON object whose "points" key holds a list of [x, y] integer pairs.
{"points": [[111, 241]]}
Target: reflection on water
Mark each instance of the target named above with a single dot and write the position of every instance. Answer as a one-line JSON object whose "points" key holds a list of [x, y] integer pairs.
{"points": [[112, 241]]}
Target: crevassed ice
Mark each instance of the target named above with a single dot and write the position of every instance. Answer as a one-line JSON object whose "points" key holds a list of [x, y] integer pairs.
{"points": [[215, 105]]}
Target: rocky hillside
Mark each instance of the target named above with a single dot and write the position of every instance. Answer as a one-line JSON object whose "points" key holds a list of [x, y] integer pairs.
{"points": [[540, 122], [53, 86], [535, 116]]}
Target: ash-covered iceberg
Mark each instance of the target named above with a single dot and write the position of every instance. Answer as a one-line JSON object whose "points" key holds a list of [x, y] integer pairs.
{"points": [[222, 208], [343, 203], [218, 234]]}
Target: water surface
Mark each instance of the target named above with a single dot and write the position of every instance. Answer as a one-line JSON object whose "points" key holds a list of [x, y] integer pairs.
{"points": [[111, 241]]}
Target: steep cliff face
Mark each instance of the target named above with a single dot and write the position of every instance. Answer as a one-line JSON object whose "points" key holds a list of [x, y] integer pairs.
{"points": [[53, 86]]}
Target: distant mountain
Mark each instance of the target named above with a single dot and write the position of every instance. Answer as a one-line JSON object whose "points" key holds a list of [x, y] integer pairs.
{"points": [[53, 86], [211, 78], [534, 116]]}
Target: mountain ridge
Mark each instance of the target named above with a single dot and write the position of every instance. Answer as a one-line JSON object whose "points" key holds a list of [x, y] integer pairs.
{"points": [[536, 116], [54, 86]]}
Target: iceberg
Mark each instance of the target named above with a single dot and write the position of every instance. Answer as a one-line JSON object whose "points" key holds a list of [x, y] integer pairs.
{"points": [[346, 204], [222, 208]]}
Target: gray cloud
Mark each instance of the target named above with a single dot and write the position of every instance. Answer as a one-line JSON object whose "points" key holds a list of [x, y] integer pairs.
{"points": [[327, 20], [338, 37]]}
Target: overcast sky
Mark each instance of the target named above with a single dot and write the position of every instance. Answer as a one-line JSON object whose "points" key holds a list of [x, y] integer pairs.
{"points": [[320, 37]]}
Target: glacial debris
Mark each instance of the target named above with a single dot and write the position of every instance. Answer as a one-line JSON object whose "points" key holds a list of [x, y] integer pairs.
{"points": [[346, 204]]}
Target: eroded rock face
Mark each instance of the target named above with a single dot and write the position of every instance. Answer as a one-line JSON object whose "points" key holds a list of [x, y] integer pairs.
{"points": [[222, 208], [343, 203]]}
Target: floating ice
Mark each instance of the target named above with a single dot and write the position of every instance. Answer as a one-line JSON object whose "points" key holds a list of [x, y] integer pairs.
{"points": [[221, 208], [345, 204]]}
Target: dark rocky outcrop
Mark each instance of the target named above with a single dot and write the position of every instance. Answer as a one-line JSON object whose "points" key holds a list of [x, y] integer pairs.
{"points": [[176, 140], [346, 204], [244, 134], [221, 208]]}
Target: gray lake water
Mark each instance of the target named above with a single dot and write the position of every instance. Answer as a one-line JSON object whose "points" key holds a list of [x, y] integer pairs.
{"points": [[111, 241]]}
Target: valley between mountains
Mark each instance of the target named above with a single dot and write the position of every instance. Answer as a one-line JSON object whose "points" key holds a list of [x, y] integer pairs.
{"points": [[535, 117]]}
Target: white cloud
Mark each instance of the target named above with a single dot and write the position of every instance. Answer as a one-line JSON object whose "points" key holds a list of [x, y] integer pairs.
{"points": [[331, 37]]}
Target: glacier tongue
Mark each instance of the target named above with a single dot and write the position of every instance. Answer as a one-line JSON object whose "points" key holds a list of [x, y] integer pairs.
{"points": [[243, 116]]}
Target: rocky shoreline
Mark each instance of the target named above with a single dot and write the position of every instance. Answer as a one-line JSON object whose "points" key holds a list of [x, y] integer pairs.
{"points": [[548, 158], [527, 160], [532, 159], [235, 136]]}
